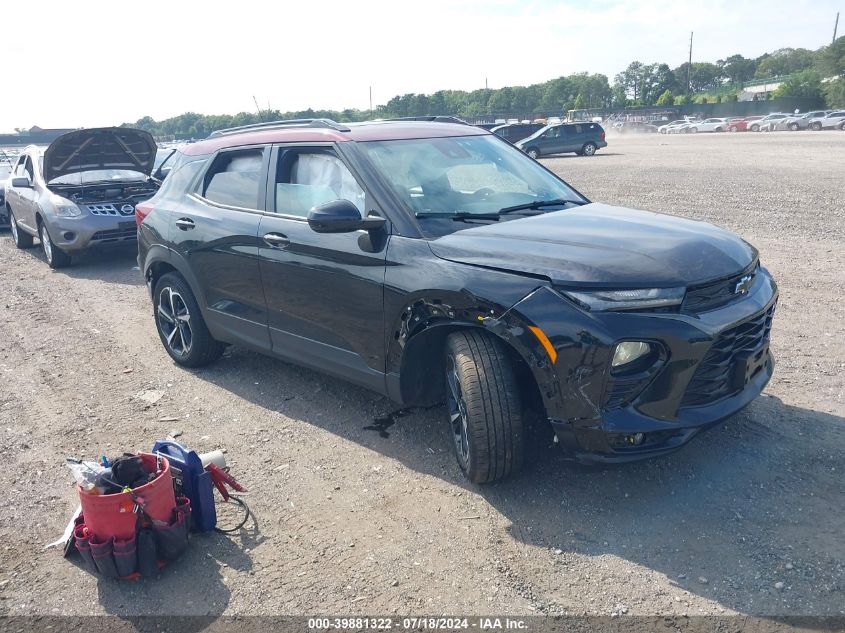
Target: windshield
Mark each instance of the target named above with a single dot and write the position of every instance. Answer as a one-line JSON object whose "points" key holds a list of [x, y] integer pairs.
{"points": [[441, 178]]}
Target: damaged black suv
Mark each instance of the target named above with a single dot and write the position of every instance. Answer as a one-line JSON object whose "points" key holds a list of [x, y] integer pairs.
{"points": [[435, 262]]}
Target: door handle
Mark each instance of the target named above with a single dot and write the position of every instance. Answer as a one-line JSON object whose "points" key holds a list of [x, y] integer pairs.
{"points": [[277, 240], [185, 223]]}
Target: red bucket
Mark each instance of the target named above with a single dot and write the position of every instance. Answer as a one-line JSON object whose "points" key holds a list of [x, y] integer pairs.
{"points": [[111, 515]]}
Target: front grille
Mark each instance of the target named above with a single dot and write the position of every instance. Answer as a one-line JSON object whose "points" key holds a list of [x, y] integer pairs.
{"points": [[725, 368], [713, 295], [121, 234], [124, 210]]}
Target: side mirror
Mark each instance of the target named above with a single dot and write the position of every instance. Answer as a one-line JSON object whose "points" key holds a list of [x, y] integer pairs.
{"points": [[341, 216], [21, 183]]}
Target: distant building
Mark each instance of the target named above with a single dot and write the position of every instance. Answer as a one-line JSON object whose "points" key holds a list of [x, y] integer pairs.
{"points": [[35, 135]]}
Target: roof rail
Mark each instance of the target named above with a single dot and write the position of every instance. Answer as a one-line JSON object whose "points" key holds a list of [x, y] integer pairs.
{"points": [[440, 118], [272, 125]]}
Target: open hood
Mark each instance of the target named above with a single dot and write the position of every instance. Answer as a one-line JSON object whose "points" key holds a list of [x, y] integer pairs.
{"points": [[100, 148], [603, 246]]}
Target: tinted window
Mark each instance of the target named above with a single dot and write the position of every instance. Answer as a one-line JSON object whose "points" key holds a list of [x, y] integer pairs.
{"points": [[234, 178], [182, 176], [306, 179], [28, 169]]}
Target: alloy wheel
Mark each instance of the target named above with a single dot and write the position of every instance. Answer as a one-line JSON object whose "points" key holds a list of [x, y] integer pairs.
{"points": [[174, 321], [46, 244], [457, 411], [13, 225]]}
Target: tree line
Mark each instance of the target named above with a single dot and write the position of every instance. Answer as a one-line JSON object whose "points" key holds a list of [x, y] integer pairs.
{"points": [[818, 74]]}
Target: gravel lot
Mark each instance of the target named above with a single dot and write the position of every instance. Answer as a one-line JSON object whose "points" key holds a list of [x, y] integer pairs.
{"points": [[748, 518]]}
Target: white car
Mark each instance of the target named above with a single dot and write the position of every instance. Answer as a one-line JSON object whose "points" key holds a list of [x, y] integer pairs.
{"points": [[664, 129], [767, 121], [708, 125], [683, 128], [831, 121]]}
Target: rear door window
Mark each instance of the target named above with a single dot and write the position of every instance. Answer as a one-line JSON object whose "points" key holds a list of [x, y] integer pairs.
{"points": [[235, 179]]}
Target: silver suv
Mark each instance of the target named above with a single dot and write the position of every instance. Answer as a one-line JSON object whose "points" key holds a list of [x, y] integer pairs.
{"points": [[81, 191]]}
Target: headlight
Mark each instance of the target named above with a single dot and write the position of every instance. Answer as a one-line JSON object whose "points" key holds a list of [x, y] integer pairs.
{"points": [[68, 211], [629, 351], [627, 299]]}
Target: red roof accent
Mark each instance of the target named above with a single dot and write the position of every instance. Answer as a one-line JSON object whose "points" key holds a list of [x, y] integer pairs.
{"points": [[376, 131]]}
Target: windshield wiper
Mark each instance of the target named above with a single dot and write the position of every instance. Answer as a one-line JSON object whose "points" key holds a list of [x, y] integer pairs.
{"points": [[458, 216], [538, 204]]}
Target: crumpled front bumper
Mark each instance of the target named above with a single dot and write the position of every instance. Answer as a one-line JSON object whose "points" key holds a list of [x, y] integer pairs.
{"points": [[658, 418]]}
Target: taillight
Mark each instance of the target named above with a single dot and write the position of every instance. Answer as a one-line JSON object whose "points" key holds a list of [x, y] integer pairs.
{"points": [[142, 210], [601, 136]]}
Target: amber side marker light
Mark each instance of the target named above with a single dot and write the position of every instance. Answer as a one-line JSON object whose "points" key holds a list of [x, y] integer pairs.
{"points": [[545, 342]]}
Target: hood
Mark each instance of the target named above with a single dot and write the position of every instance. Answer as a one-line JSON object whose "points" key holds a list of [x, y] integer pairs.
{"points": [[100, 148], [604, 246]]}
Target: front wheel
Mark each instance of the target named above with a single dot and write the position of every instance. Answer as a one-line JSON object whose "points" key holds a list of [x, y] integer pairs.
{"points": [[180, 325], [816, 126], [589, 149], [533, 152], [484, 406], [56, 257], [693, 130], [793, 127]]}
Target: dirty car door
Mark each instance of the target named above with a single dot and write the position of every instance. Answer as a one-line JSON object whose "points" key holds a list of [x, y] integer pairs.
{"points": [[215, 230], [324, 291]]}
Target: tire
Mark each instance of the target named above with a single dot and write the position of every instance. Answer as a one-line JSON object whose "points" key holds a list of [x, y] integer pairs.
{"points": [[693, 130], [533, 152], [793, 127], [56, 257], [180, 324], [589, 149], [719, 129], [734, 128], [755, 127], [685, 131], [21, 239], [484, 406], [816, 126]]}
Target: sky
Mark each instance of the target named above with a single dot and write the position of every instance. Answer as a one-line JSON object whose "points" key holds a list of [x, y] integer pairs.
{"points": [[92, 63]]}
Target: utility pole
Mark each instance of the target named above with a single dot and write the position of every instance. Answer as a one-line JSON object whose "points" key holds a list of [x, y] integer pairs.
{"points": [[689, 65], [260, 117], [835, 27], [371, 101], [485, 84]]}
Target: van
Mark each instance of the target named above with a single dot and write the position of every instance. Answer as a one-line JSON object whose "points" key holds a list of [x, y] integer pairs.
{"points": [[583, 138]]}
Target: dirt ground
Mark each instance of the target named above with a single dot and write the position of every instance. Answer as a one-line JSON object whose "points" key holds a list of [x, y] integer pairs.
{"points": [[748, 518]]}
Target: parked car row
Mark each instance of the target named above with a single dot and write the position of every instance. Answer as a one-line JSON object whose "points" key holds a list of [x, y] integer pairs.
{"points": [[816, 120], [429, 262]]}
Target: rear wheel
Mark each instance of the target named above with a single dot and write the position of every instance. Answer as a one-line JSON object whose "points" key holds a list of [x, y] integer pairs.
{"points": [[533, 152], [816, 126], [484, 405], [733, 128], [21, 239], [693, 130], [180, 325], [755, 128], [56, 257], [589, 149], [793, 127]]}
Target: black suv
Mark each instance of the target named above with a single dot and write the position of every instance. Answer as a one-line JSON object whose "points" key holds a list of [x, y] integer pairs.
{"points": [[436, 262]]}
